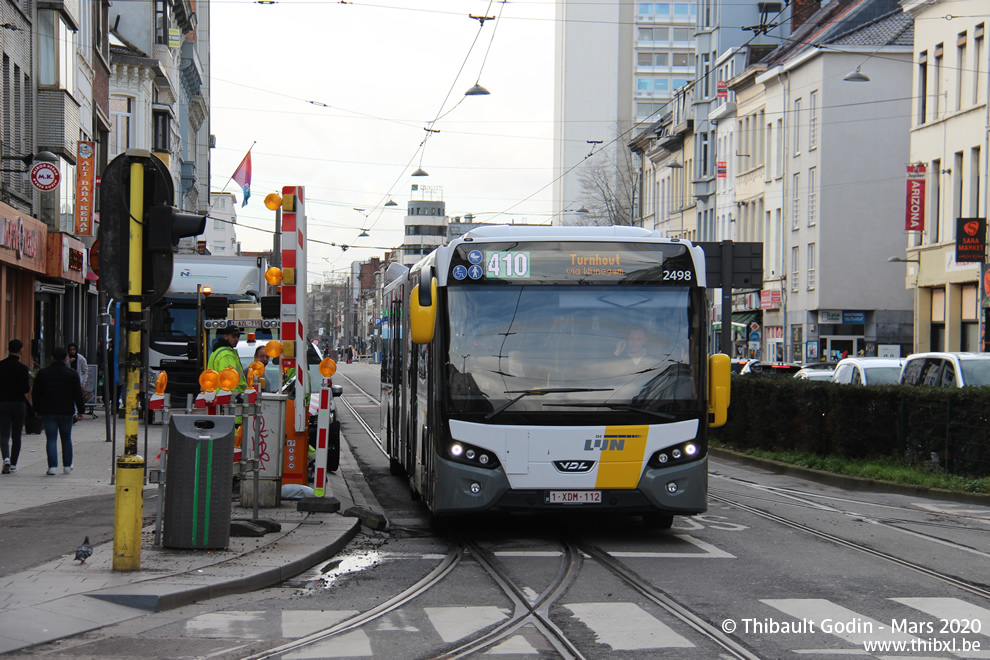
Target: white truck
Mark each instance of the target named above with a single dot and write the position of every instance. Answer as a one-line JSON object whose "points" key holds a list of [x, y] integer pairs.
{"points": [[173, 340]]}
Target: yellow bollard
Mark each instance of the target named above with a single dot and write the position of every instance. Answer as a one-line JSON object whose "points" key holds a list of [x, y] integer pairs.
{"points": [[128, 513]]}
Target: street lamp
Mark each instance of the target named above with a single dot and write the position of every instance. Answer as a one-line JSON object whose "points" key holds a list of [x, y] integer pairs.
{"points": [[856, 76], [894, 260]]}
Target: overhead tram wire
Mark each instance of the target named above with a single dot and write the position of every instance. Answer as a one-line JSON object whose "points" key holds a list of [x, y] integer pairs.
{"points": [[430, 130], [622, 136]]}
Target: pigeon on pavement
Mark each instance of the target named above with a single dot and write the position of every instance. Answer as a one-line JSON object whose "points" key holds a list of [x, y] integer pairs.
{"points": [[84, 551]]}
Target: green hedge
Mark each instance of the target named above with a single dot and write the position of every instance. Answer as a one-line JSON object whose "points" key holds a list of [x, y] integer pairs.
{"points": [[926, 427]]}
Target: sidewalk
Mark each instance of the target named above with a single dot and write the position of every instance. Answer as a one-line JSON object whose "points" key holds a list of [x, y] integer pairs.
{"points": [[45, 518]]}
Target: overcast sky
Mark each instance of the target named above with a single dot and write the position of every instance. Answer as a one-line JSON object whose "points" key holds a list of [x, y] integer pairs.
{"points": [[337, 97]]}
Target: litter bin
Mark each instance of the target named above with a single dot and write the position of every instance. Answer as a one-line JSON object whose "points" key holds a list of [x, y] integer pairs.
{"points": [[199, 473]]}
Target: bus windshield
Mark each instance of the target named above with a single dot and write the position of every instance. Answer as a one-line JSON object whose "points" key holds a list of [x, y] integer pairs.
{"points": [[563, 350]]}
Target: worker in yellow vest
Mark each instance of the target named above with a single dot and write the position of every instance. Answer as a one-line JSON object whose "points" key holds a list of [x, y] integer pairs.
{"points": [[225, 354]]}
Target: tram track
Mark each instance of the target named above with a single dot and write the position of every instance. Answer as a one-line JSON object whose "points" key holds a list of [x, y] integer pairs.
{"points": [[535, 612], [903, 563], [434, 577]]}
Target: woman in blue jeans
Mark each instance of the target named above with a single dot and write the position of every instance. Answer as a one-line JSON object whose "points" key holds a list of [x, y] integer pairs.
{"points": [[57, 394]]}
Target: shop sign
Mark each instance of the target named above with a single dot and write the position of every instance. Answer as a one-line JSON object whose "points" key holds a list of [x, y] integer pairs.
{"points": [[71, 264], [85, 188], [22, 240], [914, 217], [75, 260], [853, 317], [16, 237], [971, 240], [829, 316], [721, 91], [770, 299]]}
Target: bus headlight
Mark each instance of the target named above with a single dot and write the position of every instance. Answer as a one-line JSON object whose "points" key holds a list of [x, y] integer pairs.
{"points": [[461, 452], [676, 455]]}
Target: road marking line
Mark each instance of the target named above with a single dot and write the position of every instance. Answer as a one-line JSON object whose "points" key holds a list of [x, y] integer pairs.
{"points": [[627, 627]]}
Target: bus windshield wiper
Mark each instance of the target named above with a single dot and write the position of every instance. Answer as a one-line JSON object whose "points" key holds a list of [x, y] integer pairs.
{"points": [[538, 391], [616, 406]]}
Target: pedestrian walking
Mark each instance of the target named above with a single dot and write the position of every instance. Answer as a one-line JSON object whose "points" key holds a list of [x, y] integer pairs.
{"points": [[78, 364], [14, 385], [57, 393]]}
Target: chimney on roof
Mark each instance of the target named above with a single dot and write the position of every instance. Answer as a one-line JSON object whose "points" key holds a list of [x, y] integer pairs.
{"points": [[801, 11]]}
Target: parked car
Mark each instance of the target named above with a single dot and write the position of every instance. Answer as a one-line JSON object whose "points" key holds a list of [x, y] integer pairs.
{"points": [[736, 364], [946, 370], [815, 373], [770, 368], [868, 371]]}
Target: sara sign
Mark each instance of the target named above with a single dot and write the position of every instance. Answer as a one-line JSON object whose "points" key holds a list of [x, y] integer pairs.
{"points": [[914, 217], [971, 240]]}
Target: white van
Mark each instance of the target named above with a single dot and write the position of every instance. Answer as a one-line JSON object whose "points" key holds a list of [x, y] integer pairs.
{"points": [[868, 371], [946, 370]]}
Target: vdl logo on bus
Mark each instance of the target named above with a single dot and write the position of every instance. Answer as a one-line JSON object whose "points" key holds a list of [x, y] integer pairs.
{"points": [[574, 466]]}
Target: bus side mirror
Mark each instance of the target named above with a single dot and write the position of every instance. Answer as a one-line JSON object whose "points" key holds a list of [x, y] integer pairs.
{"points": [[427, 292], [719, 375], [423, 318]]}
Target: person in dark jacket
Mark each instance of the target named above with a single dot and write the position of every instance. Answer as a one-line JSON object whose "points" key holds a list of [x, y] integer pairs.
{"points": [[14, 384], [57, 391]]}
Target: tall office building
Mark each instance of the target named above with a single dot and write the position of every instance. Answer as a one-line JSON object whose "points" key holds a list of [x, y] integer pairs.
{"points": [[617, 64]]}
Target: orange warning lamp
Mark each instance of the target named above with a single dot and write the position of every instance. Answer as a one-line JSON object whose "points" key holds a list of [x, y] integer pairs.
{"points": [[328, 367], [161, 383], [257, 368], [209, 380], [229, 378], [250, 379], [273, 201], [238, 434], [273, 276], [273, 349], [206, 290]]}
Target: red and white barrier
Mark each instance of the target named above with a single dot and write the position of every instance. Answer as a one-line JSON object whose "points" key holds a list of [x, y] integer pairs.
{"points": [[322, 439]]}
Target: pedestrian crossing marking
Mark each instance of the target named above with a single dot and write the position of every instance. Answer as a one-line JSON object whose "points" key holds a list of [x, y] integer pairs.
{"points": [[454, 623], [855, 627], [241, 624], [626, 626], [354, 644], [980, 513], [951, 609], [515, 645], [709, 551], [299, 623], [397, 620]]}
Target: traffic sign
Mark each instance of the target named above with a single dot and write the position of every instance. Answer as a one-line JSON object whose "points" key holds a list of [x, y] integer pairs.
{"points": [[45, 176]]}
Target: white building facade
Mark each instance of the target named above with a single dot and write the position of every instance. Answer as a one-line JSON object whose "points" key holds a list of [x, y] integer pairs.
{"points": [[949, 116]]}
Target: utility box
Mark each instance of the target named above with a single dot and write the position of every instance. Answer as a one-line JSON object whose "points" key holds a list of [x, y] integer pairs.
{"points": [[269, 440], [198, 481]]}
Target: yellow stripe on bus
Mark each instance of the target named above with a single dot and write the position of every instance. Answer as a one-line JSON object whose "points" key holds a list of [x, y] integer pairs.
{"points": [[622, 456]]}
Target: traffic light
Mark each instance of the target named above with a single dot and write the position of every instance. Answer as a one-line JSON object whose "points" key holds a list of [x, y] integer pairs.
{"points": [[138, 185]]}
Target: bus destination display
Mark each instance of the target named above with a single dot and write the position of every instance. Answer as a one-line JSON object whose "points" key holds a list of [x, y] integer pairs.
{"points": [[573, 262]]}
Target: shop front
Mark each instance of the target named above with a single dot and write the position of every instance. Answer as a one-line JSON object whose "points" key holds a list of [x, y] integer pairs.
{"points": [[61, 297], [23, 244]]}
